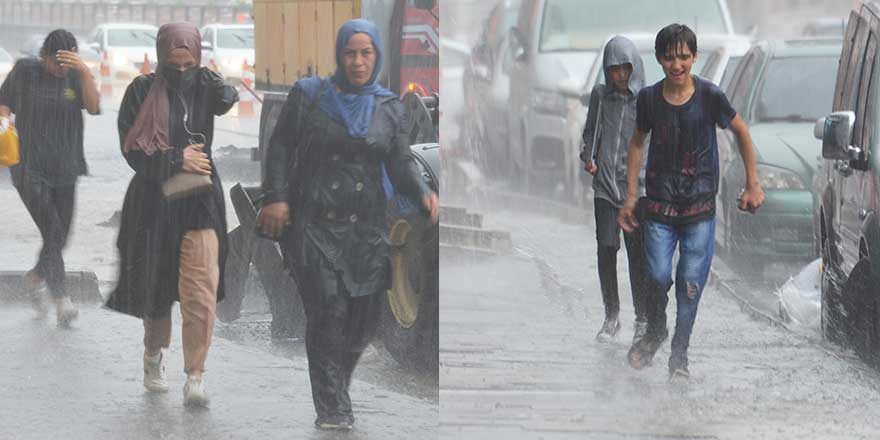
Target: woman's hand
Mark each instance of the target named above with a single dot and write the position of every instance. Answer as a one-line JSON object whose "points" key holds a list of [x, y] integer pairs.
{"points": [[432, 205], [195, 160], [273, 218], [71, 60]]}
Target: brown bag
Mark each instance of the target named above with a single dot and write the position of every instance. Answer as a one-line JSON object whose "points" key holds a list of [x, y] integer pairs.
{"points": [[184, 184]]}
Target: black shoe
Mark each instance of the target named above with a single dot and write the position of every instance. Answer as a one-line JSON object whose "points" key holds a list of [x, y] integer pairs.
{"points": [[335, 423], [678, 369], [609, 329], [642, 351]]}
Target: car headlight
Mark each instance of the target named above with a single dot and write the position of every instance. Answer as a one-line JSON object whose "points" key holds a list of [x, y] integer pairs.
{"points": [[120, 60], [548, 102], [779, 178]]}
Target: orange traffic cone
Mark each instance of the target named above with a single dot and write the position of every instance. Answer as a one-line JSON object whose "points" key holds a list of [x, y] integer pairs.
{"points": [[106, 80], [246, 99], [145, 67]]}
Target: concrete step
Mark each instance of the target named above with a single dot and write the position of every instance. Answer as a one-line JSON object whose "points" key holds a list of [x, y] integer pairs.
{"points": [[456, 215], [469, 237], [81, 285]]}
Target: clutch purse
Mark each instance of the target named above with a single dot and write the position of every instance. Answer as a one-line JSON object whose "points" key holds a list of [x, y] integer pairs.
{"points": [[185, 184]]}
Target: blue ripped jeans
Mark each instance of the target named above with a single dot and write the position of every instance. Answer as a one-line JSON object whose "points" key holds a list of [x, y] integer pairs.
{"points": [[696, 243]]}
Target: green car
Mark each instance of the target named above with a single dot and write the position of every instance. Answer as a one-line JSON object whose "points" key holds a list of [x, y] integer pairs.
{"points": [[779, 89]]}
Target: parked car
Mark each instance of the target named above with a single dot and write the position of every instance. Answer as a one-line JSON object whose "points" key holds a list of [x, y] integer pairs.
{"points": [[779, 89], [847, 215], [558, 39], [229, 47], [487, 88], [825, 27], [123, 47], [577, 109], [720, 64], [31, 46]]}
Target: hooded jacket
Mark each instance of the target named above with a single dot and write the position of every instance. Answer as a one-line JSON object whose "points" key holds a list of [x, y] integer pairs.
{"points": [[613, 114]]}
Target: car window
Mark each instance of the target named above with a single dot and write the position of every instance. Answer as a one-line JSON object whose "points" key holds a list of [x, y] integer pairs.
{"points": [[208, 35], [849, 91], [745, 79], [235, 38], [796, 89], [864, 87], [845, 57], [732, 64], [568, 25], [131, 37]]}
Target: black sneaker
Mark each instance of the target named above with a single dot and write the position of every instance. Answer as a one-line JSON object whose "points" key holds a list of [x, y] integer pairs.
{"points": [[335, 423], [609, 329], [641, 354], [679, 374]]}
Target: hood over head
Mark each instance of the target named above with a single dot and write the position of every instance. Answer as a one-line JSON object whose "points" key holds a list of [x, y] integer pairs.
{"points": [[620, 50]]}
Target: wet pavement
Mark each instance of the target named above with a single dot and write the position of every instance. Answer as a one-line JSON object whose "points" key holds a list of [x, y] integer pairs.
{"points": [[85, 383], [519, 359]]}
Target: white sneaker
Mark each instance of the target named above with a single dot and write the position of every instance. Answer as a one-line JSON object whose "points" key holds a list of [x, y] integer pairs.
{"points": [[154, 373], [194, 393], [39, 294], [65, 311]]}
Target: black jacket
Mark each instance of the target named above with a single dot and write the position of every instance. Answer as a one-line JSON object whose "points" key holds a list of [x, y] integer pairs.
{"points": [[333, 184], [152, 228]]}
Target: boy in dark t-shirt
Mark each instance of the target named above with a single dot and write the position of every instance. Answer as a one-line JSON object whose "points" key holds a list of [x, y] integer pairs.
{"points": [[681, 180]]}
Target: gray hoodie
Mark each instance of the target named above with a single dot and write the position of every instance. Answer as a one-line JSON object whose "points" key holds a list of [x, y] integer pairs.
{"points": [[618, 121]]}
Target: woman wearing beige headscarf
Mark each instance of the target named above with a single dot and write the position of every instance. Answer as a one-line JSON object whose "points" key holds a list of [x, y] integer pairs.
{"points": [[172, 246]]}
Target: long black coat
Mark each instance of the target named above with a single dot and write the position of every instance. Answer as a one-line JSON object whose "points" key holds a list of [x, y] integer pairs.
{"points": [[333, 184], [152, 228]]}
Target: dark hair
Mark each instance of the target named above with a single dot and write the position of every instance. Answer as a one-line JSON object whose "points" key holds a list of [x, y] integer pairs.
{"points": [[59, 39], [671, 37]]}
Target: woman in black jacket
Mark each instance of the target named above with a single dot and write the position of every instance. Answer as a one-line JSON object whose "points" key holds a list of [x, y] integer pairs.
{"points": [[172, 244], [327, 158]]}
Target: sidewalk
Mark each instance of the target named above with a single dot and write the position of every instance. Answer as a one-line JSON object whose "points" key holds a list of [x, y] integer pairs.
{"points": [[85, 383], [519, 359]]}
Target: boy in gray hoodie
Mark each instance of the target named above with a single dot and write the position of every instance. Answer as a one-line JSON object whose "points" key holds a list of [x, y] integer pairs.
{"points": [[609, 127]]}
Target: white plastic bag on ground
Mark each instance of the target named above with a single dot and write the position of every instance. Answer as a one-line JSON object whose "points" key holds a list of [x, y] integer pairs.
{"points": [[800, 297]]}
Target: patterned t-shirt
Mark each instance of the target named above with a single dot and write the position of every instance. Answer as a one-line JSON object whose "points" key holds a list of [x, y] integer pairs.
{"points": [[681, 177]]}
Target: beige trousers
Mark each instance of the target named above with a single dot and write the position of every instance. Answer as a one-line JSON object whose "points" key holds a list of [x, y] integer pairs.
{"points": [[197, 286]]}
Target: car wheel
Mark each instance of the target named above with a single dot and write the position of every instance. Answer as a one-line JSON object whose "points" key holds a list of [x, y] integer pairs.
{"points": [[410, 317], [831, 316]]}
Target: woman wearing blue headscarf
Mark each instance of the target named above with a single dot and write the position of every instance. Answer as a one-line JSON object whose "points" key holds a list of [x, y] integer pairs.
{"points": [[325, 163]]}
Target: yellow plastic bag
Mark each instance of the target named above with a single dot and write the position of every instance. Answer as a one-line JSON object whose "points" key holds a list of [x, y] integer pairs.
{"points": [[9, 147]]}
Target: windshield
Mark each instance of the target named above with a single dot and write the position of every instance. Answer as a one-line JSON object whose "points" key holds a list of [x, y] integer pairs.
{"points": [[573, 25], [240, 38], [131, 37], [728, 72], [797, 89]]}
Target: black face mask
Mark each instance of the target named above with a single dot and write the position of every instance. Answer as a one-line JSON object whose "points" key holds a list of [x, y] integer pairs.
{"points": [[179, 80]]}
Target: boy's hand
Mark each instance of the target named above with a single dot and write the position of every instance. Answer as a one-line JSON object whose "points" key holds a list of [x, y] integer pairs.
{"points": [[751, 198], [626, 218], [591, 167]]}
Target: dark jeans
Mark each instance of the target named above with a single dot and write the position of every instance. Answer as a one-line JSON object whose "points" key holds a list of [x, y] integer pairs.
{"points": [[608, 237], [696, 244], [338, 330], [52, 211]]}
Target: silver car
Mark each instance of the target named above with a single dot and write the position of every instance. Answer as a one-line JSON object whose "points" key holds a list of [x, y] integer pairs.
{"points": [[229, 48]]}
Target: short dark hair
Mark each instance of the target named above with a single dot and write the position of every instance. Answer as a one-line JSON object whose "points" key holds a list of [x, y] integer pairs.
{"points": [[673, 36], [59, 39]]}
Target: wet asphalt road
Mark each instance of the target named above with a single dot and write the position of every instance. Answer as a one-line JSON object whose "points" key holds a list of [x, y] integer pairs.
{"points": [[519, 359]]}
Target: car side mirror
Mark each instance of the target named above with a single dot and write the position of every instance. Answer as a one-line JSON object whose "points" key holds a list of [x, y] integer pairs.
{"points": [[837, 134], [207, 46], [95, 46]]}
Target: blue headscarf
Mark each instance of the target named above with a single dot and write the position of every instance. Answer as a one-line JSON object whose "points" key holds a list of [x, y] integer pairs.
{"points": [[353, 106]]}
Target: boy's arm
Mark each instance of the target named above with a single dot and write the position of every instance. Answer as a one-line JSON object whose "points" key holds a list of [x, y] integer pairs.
{"points": [[636, 149], [753, 197]]}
